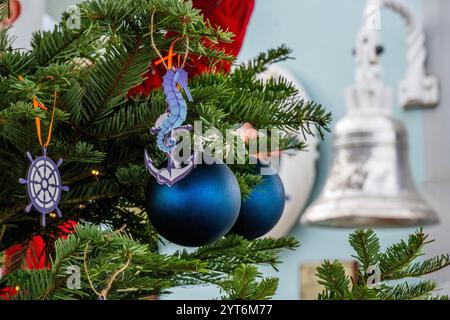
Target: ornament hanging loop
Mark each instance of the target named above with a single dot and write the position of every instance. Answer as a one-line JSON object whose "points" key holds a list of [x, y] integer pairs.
{"points": [[37, 104], [171, 54]]}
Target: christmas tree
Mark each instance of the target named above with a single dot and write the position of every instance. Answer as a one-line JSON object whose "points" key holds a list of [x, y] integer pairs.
{"points": [[83, 80], [77, 80]]}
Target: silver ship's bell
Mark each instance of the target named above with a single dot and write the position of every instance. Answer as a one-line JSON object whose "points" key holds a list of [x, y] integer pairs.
{"points": [[370, 182]]}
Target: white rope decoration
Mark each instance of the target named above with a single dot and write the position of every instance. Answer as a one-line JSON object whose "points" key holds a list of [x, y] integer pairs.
{"points": [[416, 89]]}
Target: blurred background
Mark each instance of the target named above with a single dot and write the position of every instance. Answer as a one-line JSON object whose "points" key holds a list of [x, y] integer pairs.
{"points": [[322, 35]]}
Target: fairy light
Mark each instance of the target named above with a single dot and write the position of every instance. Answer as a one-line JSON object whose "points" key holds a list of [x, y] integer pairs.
{"points": [[17, 288], [53, 215], [95, 172]]}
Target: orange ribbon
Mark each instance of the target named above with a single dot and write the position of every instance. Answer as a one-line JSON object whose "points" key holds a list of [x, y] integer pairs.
{"points": [[159, 61], [169, 57], [37, 104]]}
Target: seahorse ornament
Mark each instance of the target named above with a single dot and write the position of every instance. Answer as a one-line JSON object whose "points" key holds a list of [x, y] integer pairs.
{"points": [[169, 125]]}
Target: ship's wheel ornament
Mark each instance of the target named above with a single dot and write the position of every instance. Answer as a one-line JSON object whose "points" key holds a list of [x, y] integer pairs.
{"points": [[44, 185]]}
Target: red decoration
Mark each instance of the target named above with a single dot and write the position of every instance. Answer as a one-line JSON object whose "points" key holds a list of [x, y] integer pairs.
{"points": [[35, 257], [232, 15]]}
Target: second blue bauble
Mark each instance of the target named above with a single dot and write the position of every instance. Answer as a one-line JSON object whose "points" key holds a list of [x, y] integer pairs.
{"points": [[197, 210], [262, 210]]}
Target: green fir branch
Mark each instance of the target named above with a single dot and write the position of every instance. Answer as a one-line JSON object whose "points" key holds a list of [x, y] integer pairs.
{"points": [[400, 255], [243, 285], [98, 251], [407, 291], [367, 247], [332, 276], [396, 263]]}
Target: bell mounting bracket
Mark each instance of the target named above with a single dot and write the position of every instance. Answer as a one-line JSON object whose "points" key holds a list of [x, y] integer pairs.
{"points": [[417, 89]]}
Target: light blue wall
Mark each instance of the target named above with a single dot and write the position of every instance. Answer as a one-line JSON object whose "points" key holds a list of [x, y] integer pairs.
{"points": [[322, 35], [56, 7]]}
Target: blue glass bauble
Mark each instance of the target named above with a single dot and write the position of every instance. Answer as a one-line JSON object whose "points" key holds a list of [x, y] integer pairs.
{"points": [[197, 210], [262, 210]]}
